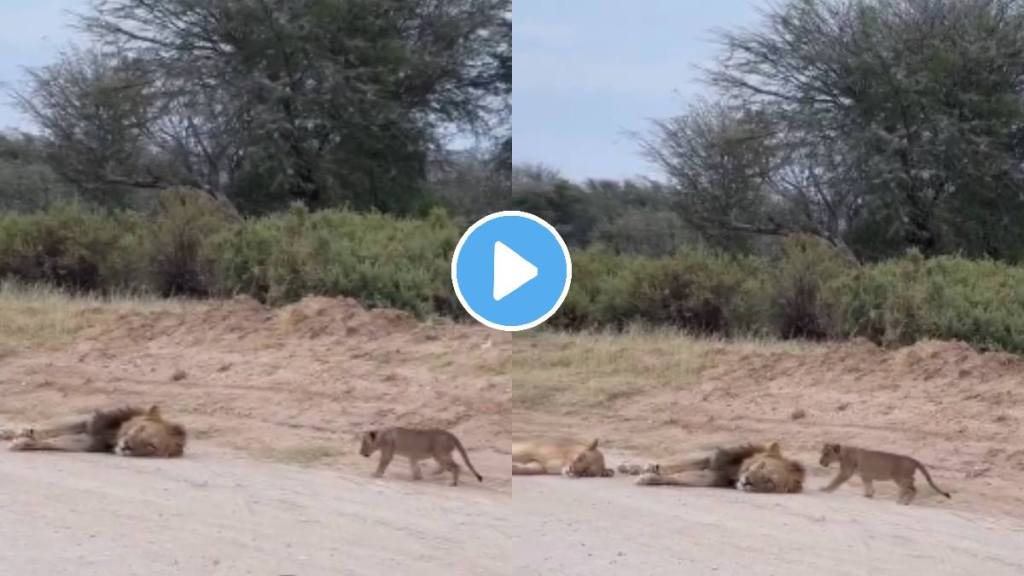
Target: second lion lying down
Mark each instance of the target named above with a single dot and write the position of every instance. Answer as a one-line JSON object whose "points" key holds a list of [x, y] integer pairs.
{"points": [[565, 456], [748, 467], [129, 431]]}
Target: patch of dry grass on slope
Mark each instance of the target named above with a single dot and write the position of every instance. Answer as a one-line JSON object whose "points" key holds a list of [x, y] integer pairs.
{"points": [[593, 368], [43, 318]]}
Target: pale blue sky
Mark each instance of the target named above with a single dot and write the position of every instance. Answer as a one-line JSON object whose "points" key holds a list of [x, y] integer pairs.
{"points": [[587, 71], [32, 33]]}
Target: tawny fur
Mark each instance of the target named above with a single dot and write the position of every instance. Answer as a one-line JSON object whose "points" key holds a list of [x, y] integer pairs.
{"points": [[127, 431], [747, 467], [416, 445], [872, 465], [564, 456]]}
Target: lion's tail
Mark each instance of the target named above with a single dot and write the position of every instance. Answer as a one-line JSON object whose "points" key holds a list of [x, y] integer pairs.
{"points": [[465, 458], [928, 477]]}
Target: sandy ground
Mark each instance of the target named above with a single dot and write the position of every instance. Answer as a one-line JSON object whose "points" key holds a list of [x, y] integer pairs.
{"points": [[959, 411], [606, 527], [212, 514], [272, 484]]}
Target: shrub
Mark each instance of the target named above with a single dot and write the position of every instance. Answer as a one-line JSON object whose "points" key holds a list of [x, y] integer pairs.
{"points": [[185, 220], [884, 302], [804, 305], [905, 300], [72, 247], [695, 290], [381, 260]]}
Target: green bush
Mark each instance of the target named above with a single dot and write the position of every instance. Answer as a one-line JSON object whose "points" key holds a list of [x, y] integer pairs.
{"points": [[381, 260], [190, 246], [805, 306], [905, 300], [695, 290], [73, 247], [186, 219]]}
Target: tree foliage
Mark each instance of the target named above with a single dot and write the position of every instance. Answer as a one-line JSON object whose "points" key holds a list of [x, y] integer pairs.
{"points": [[267, 102], [95, 108], [27, 181], [875, 124]]}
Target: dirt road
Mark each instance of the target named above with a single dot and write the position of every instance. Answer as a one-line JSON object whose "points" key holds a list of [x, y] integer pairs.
{"points": [[214, 514], [210, 514], [589, 527]]}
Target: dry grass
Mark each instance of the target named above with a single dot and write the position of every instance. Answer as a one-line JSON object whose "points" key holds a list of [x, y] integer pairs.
{"points": [[42, 318], [594, 368]]}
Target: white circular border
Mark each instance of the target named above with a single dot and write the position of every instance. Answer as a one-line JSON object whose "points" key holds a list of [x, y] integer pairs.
{"points": [[565, 288]]}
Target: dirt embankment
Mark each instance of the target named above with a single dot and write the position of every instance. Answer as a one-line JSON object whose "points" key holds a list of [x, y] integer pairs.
{"points": [[294, 384]]}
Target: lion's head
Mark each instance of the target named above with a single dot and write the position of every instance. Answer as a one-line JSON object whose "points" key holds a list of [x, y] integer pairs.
{"points": [[589, 463], [829, 454], [368, 442], [148, 434], [769, 471]]}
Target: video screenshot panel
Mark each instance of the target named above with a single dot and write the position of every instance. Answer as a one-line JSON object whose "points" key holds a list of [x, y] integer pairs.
{"points": [[278, 296]]}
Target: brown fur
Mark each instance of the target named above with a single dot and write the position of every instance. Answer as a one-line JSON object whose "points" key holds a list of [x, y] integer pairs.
{"points": [[564, 456], [416, 445], [873, 465], [128, 431], [748, 467]]}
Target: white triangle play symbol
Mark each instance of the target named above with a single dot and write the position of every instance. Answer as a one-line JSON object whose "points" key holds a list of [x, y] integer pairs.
{"points": [[511, 271]]}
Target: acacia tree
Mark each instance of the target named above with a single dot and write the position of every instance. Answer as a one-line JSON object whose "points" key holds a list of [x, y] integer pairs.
{"points": [[720, 161], [896, 122], [94, 108], [322, 101]]}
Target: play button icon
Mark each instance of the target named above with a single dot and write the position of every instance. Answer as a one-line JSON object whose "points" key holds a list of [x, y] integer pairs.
{"points": [[511, 271]]}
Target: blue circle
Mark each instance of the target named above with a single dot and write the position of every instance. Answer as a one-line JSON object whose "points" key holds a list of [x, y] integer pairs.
{"points": [[529, 238]]}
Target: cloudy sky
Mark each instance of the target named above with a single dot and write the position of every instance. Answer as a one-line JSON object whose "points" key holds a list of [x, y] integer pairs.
{"points": [[586, 73]]}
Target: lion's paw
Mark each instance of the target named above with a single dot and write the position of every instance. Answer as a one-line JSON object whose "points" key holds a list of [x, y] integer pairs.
{"points": [[637, 469], [648, 479], [630, 469], [11, 434], [22, 443]]}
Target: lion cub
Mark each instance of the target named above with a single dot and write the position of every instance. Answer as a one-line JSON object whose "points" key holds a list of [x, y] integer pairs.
{"points": [[416, 445], [872, 465]]}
